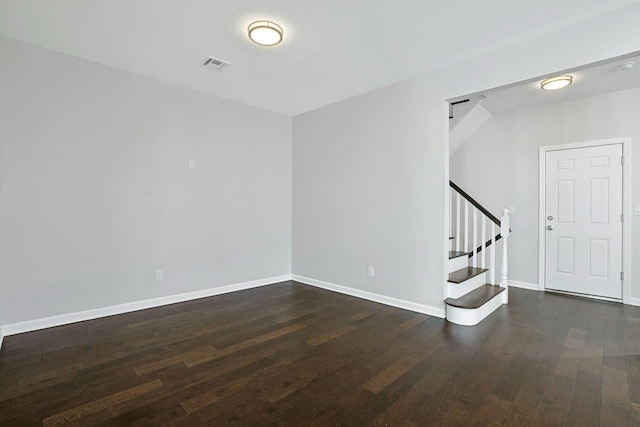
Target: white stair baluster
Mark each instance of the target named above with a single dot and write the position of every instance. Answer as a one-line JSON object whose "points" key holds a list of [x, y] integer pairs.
{"points": [[504, 231], [474, 230], [466, 227], [492, 256], [483, 259], [450, 215], [458, 221]]}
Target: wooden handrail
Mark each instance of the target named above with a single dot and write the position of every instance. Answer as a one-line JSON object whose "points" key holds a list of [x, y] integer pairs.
{"points": [[486, 245], [455, 103], [478, 206]]}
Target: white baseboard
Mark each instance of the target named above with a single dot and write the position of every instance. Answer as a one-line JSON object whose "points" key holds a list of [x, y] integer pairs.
{"points": [[382, 299], [534, 287], [524, 285], [64, 319], [633, 301]]}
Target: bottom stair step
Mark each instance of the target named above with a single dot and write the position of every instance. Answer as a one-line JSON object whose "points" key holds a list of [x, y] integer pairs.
{"points": [[476, 298], [471, 308]]}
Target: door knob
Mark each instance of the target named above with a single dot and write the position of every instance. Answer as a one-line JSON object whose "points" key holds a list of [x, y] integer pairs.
{"points": [[549, 227], [550, 218]]}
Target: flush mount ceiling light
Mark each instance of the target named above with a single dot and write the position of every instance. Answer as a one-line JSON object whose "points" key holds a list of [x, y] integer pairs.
{"points": [[555, 83], [265, 33]]}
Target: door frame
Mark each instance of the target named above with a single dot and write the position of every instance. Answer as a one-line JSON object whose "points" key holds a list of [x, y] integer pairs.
{"points": [[626, 210]]}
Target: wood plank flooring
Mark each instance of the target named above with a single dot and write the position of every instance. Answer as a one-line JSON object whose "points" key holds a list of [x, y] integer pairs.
{"points": [[293, 355]]}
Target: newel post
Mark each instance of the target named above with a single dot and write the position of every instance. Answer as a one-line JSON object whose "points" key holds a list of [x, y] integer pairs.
{"points": [[504, 232]]}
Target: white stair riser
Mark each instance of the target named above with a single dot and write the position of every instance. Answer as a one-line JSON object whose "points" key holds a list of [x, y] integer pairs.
{"points": [[458, 263], [470, 317], [456, 290]]}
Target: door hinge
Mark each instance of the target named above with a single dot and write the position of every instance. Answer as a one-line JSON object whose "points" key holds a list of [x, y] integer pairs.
{"points": [[621, 217], [622, 160], [622, 275]]}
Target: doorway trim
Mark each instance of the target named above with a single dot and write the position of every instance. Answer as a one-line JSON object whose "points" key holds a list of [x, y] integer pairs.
{"points": [[626, 209]]}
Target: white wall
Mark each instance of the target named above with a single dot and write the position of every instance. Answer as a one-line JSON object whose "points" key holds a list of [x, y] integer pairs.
{"points": [[95, 193], [510, 141], [368, 182]]}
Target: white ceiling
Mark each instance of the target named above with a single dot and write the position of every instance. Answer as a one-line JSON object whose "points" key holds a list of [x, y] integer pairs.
{"points": [[333, 49], [587, 81]]}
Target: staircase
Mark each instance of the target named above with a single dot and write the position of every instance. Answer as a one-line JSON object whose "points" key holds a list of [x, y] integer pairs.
{"points": [[471, 292]]}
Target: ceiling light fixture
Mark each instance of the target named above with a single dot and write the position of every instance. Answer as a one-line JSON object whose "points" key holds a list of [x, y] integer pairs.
{"points": [[555, 83], [265, 33]]}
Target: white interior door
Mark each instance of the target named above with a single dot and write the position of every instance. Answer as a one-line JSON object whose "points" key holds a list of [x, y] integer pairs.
{"points": [[583, 219]]}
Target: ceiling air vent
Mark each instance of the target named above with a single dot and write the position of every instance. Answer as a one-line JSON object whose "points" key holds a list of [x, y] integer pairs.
{"points": [[215, 63]]}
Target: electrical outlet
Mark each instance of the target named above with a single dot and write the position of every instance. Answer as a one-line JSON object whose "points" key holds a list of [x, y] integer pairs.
{"points": [[159, 275], [192, 163], [512, 209], [637, 210], [370, 271]]}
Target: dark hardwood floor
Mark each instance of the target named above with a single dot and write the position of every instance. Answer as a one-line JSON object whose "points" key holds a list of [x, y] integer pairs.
{"points": [[293, 355]]}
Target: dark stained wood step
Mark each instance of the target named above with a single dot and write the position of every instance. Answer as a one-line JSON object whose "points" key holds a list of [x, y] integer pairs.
{"points": [[456, 254], [476, 298], [466, 273], [451, 238]]}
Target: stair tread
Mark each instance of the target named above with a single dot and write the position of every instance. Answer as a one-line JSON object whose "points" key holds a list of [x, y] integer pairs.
{"points": [[464, 274], [476, 298], [451, 238], [457, 254]]}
